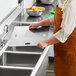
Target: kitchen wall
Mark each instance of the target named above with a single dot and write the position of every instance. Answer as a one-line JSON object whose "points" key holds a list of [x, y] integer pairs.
{"points": [[28, 3], [6, 6]]}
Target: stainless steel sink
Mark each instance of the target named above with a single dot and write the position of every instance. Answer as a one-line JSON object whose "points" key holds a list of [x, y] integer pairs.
{"points": [[25, 49], [21, 57], [14, 72], [20, 60], [13, 63]]}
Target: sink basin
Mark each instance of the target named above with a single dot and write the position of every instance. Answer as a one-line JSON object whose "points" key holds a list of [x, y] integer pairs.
{"points": [[25, 49], [14, 72], [19, 60]]}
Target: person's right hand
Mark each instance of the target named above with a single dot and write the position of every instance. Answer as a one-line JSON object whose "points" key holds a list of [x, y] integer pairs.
{"points": [[34, 25]]}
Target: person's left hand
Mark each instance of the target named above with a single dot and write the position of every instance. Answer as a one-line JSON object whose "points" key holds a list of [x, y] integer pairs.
{"points": [[42, 44]]}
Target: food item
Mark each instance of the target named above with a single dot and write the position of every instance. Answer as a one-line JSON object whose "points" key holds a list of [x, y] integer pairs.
{"points": [[34, 8]]}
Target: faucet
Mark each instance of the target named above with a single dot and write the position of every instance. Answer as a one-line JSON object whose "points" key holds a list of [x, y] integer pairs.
{"points": [[2, 40], [6, 28]]}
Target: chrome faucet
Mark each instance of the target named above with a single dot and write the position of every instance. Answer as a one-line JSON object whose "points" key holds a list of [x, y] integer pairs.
{"points": [[2, 40], [5, 28]]}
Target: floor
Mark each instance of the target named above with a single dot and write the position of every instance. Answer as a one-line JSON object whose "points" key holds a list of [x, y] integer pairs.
{"points": [[50, 67]]}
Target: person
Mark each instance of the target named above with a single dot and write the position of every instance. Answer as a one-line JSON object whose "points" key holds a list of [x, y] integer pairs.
{"points": [[64, 38]]}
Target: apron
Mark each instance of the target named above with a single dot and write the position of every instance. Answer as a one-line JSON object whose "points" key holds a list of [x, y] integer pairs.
{"points": [[65, 53]]}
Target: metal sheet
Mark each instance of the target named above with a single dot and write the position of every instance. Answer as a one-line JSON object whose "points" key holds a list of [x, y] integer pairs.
{"points": [[22, 36]]}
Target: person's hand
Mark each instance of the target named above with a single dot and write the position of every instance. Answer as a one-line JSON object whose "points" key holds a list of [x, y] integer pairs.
{"points": [[34, 25], [42, 44]]}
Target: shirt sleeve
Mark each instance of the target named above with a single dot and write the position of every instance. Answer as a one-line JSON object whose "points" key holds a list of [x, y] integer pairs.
{"points": [[68, 24], [52, 19]]}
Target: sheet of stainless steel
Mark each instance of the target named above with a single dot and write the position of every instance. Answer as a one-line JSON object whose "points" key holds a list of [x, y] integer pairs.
{"points": [[14, 72], [25, 49], [22, 36], [20, 60]]}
